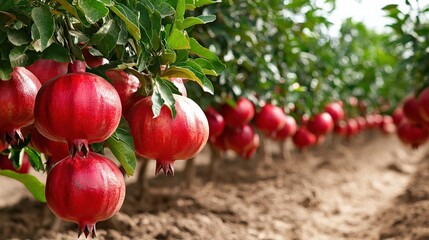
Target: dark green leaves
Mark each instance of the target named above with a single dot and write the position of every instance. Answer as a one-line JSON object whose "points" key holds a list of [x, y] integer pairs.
{"points": [[44, 23], [33, 185], [162, 95], [178, 40], [94, 10], [106, 37]]}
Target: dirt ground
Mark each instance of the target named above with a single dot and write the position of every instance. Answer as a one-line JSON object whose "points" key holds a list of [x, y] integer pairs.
{"points": [[371, 187]]}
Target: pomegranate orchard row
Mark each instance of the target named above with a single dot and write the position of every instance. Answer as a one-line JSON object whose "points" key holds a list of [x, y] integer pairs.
{"points": [[158, 80]]}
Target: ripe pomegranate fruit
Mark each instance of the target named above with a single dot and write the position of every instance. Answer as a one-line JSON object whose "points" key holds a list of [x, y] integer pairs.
{"points": [[91, 60], [77, 66], [335, 110], [46, 69], [6, 164], [17, 101], [58, 150], [398, 116], [219, 142], [269, 119], [387, 126], [251, 149], [304, 119], [288, 129], [216, 122], [352, 127], [85, 190], [411, 109], [126, 85], [87, 110], [320, 124], [239, 139], [411, 133], [423, 104], [340, 128], [239, 115], [164, 138], [362, 123], [304, 138]]}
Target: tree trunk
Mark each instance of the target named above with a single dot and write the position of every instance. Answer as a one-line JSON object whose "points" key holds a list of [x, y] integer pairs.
{"points": [[216, 159], [141, 179], [189, 174]]}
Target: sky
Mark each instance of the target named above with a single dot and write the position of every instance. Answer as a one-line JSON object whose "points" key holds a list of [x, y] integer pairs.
{"points": [[368, 11]]}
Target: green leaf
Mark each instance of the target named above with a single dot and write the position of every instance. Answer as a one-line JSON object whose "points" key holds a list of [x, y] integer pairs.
{"points": [[19, 56], [18, 37], [34, 158], [207, 66], [164, 92], [56, 52], [121, 144], [145, 22], [180, 10], [30, 182], [200, 3], [178, 40], [157, 103], [94, 10], [130, 19], [179, 72], [192, 21], [106, 37], [203, 52], [5, 70], [202, 80], [44, 22], [165, 9]]}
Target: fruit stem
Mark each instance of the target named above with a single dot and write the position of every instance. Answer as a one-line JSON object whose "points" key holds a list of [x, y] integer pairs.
{"points": [[14, 137]]}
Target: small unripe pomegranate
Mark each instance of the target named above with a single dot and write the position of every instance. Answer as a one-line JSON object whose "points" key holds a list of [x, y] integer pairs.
{"points": [[87, 110], [423, 104], [166, 139], [269, 119], [335, 110], [46, 69], [216, 122], [85, 190], [411, 109], [414, 134], [239, 115], [6, 164], [17, 100], [126, 85], [288, 129], [239, 139], [320, 124], [304, 138]]}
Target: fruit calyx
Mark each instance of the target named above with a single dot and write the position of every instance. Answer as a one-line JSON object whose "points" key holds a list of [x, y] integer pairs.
{"points": [[79, 146], [166, 166]]}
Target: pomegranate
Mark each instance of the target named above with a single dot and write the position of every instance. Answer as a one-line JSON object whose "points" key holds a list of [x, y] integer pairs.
{"points": [[352, 127], [216, 122], [85, 190], [87, 110], [398, 116], [423, 104], [46, 69], [411, 133], [335, 110], [239, 139], [2, 146], [50, 148], [304, 138], [239, 115], [93, 61], [288, 129], [387, 126], [411, 109], [362, 123], [340, 128], [127, 85], [164, 138], [6, 164], [17, 101], [304, 119], [269, 119], [251, 149], [320, 124], [219, 142], [77, 66]]}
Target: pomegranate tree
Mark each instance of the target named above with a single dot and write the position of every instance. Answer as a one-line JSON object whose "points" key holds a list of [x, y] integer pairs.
{"points": [[46, 69], [87, 110], [85, 190], [239, 115], [269, 119], [165, 138], [17, 100]]}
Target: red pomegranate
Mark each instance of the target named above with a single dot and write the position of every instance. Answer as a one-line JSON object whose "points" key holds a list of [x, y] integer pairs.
{"points": [[387, 126], [362, 122], [423, 104], [85, 190], [219, 142], [414, 134], [269, 119], [6, 164], [87, 110], [2, 146], [304, 138], [340, 128], [398, 116], [126, 85], [50, 148], [411, 109], [239, 139], [93, 61], [335, 110], [166, 139], [46, 69], [17, 101], [288, 129], [77, 66], [250, 151], [304, 119], [320, 124], [352, 127], [239, 115], [216, 122]]}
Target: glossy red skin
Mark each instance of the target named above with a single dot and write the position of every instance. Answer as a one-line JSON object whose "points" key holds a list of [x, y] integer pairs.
{"points": [[57, 150], [87, 109], [6, 164], [93, 61], [46, 69], [250, 151], [216, 122], [85, 190], [340, 128], [352, 127], [414, 134], [423, 104], [398, 116], [387, 126], [304, 138], [269, 119], [165, 139], [320, 124], [2, 146], [77, 66], [378, 119], [126, 85], [239, 139], [370, 121], [17, 100], [240, 115], [335, 110], [411, 109], [362, 122], [287, 130], [219, 142]]}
